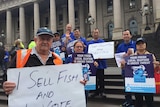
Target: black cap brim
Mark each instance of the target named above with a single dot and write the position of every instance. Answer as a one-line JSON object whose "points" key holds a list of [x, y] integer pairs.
{"points": [[44, 33], [57, 33], [140, 40]]}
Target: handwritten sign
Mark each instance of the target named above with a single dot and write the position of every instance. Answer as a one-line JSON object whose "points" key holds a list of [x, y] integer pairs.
{"points": [[119, 57], [139, 74], [47, 86], [103, 50]]}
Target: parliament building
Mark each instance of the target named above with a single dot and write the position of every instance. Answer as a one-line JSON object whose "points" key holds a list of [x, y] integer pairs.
{"points": [[22, 18]]}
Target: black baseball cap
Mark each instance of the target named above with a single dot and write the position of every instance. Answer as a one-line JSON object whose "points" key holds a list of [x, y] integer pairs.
{"points": [[140, 40], [44, 31], [57, 33]]}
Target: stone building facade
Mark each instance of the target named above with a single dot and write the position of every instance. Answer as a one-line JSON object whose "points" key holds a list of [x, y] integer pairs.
{"points": [[21, 18]]}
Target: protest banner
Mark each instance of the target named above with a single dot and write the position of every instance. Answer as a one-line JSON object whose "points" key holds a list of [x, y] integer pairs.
{"points": [[119, 57], [88, 68], [139, 74], [47, 86], [56, 47], [70, 47], [103, 50]]}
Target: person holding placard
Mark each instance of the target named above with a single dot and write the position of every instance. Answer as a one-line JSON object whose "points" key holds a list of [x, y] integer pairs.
{"points": [[140, 74], [57, 46], [79, 47], [66, 38], [126, 46], [71, 42], [37, 56], [141, 46], [68, 34], [102, 64]]}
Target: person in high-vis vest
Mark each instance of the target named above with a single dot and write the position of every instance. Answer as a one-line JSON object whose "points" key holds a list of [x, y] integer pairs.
{"points": [[31, 44], [37, 56]]}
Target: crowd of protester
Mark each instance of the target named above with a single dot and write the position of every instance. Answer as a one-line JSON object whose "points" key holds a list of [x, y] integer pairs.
{"points": [[73, 42]]}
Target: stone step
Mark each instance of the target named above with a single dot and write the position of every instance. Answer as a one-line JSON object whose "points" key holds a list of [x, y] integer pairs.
{"points": [[3, 105], [1, 92], [112, 96], [3, 98]]}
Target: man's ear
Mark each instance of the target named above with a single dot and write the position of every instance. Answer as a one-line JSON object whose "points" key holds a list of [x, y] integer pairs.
{"points": [[35, 39]]}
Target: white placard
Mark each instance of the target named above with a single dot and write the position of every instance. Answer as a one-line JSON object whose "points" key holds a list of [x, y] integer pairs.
{"points": [[47, 86], [91, 84], [119, 57], [62, 56], [103, 50]]}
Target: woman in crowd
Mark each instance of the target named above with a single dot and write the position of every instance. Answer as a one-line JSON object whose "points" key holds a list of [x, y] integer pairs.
{"points": [[141, 50], [79, 47], [141, 46]]}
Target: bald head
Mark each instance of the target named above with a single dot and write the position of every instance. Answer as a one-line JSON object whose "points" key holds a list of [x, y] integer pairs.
{"points": [[69, 27]]}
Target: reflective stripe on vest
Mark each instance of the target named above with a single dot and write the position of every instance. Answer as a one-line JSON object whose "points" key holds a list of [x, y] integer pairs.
{"points": [[23, 55], [57, 60]]}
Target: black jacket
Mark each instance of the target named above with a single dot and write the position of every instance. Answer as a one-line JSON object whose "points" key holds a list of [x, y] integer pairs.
{"points": [[2, 54], [33, 60]]}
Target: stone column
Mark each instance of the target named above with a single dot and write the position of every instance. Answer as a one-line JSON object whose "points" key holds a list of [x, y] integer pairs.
{"points": [[92, 11], [36, 17], [65, 18], [100, 23], [143, 17], [156, 12], [117, 31], [71, 13], [9, 35], [81, 17], [22, 31], [53, 16], [144, 24]]}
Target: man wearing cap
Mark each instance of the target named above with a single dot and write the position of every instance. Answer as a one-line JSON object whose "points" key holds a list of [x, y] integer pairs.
{"points": [[57, 46], [38, 56], [141, 50], [125, 46]]}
